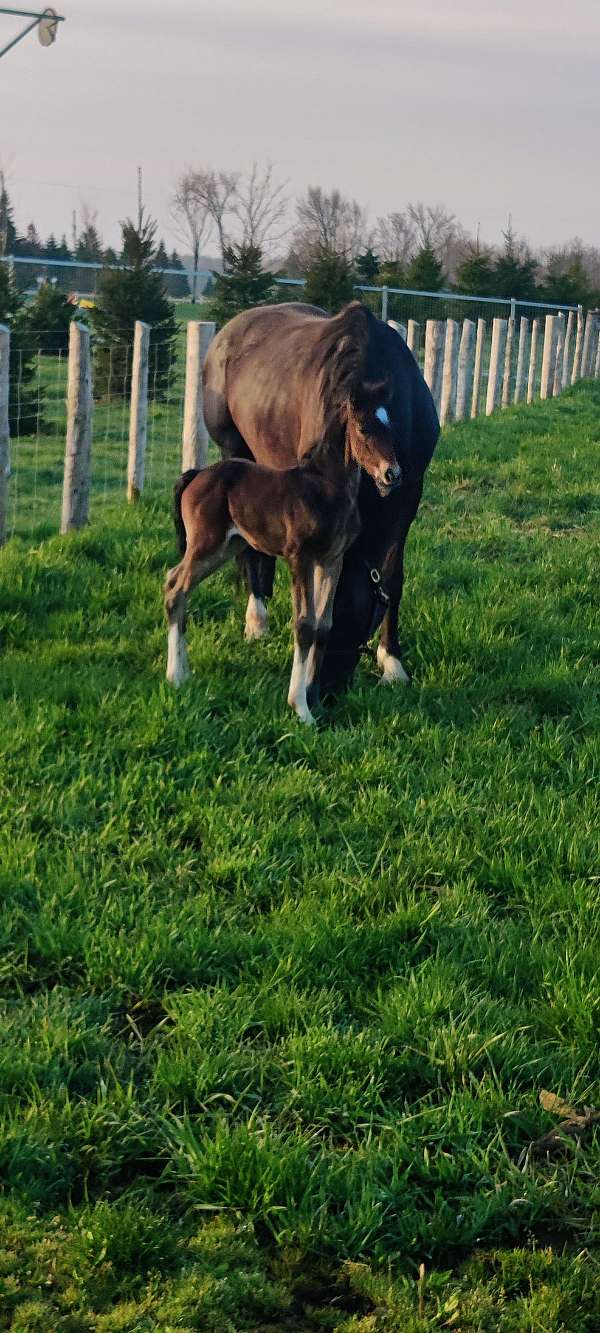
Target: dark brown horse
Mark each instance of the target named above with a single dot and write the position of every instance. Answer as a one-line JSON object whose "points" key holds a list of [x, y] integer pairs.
{"points": [[277, 380], [307, 514]]}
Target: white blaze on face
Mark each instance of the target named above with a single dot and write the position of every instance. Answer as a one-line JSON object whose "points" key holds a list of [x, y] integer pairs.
{"points": [[382, 415]]}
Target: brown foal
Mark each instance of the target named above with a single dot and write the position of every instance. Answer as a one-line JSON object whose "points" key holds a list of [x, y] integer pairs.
{"points": [[307, 514]]}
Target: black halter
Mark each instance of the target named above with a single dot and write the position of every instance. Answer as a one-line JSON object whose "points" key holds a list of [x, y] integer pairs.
{"points": [[382, 598]]}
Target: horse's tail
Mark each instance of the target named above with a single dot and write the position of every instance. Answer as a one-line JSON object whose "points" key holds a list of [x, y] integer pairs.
{"points": [[178, 489]]}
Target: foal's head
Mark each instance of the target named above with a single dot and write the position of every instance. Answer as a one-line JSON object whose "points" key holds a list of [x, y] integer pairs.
{"points": [[369, 438]]}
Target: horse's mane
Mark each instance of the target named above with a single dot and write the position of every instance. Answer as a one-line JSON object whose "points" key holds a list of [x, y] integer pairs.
{"points": [[341, 357]]}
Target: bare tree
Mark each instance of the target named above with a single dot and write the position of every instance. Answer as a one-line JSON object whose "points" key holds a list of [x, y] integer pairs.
{"points": [[217, 192], [329, 222], [192, 219], [260, 205], [395, 239], [433, 224]]}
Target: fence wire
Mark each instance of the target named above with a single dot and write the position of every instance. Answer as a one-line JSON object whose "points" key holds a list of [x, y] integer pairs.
{"points": [[38, 410]]}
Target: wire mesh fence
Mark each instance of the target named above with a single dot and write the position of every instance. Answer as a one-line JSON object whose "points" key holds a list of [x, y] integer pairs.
{"points": [[472, 368], [39, 423]]}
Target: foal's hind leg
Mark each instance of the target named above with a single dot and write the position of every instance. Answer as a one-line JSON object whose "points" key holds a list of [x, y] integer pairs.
{"points": [[196, 565]]}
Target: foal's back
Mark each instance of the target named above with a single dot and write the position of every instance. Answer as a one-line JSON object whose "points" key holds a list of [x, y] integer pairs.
{"points": [[277, 512]]}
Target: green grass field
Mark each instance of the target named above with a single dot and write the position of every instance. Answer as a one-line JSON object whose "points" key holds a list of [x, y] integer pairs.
{"points": [[278, 1004]]}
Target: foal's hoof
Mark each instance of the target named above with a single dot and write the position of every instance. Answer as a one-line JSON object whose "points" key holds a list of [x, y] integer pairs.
{"points": [[393, 671], [178, 678], [303, 713]]}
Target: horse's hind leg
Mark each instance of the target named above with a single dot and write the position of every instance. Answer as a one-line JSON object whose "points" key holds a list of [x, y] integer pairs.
{"points": [[260, 574]]}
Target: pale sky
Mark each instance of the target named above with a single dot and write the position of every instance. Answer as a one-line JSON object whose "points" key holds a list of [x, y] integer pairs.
{"points": [[489, 108]]}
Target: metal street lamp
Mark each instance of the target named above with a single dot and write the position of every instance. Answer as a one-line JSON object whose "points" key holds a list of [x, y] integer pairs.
{"points": [[46, 21]]}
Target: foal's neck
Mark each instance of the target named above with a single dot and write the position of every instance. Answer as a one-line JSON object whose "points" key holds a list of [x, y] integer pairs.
{"points": [[335, 465]]}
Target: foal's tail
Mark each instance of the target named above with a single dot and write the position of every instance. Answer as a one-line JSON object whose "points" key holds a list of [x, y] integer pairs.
{"points": [[178, 489]]}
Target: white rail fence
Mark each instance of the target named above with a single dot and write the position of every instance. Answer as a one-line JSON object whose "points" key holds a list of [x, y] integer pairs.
{"points": [[470, 368]]}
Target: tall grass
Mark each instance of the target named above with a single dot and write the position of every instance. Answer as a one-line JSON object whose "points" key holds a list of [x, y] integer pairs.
{"points": [[277, 1007]]}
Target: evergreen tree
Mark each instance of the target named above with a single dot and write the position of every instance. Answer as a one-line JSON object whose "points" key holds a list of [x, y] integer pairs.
{"points": [[476, 275], [23, 404], [392, 274], [89, 245], [32, 244], [515, 271], [8, 232], [425, 272], [52, 248], [63, 249], [161, 259], [367, 266], [329, 280], [244, 284], [125, 295], [566, 283], [179, 287], [48, 318]]}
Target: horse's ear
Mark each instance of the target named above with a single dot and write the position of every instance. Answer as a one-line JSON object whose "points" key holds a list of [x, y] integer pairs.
{"points": [[371, 393]]}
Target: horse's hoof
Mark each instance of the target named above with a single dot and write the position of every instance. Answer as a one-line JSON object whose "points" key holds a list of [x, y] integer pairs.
{"points": [[256, 626], [393, 671]]}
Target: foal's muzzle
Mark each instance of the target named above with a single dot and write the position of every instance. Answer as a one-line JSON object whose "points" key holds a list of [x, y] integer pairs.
{"points": [[392, 478]]}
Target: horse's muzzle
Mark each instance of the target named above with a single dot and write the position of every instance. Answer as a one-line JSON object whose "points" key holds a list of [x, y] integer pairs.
{"points": [[391, 480]]}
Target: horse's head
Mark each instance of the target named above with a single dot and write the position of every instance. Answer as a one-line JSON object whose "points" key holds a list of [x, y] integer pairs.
{"points": [[369, 438]]}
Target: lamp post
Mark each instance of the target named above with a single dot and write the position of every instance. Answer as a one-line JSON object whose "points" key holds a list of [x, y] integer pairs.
{"points": [[46, 21]]}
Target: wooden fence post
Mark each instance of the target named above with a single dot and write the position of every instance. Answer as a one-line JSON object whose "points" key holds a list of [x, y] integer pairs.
{"points": [[586, 355], [4, 430], [138, 414], [464, 388], [559, 351], [78, 449], [413, 337], [435, 335], [576, 371], [478, 371], [496, 372], [597, 360], [399, 328], [508, 363], [548, 358], [533, 356], [200, 333], [567, 348], [449, 374], [519, 393]]}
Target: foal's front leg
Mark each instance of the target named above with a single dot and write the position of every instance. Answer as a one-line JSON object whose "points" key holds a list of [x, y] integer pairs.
{"points": [[304, 628], [325, 582]]}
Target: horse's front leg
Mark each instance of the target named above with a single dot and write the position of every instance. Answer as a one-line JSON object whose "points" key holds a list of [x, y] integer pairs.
{"points": [[304, 632], [388, 649], [325, 582]]}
